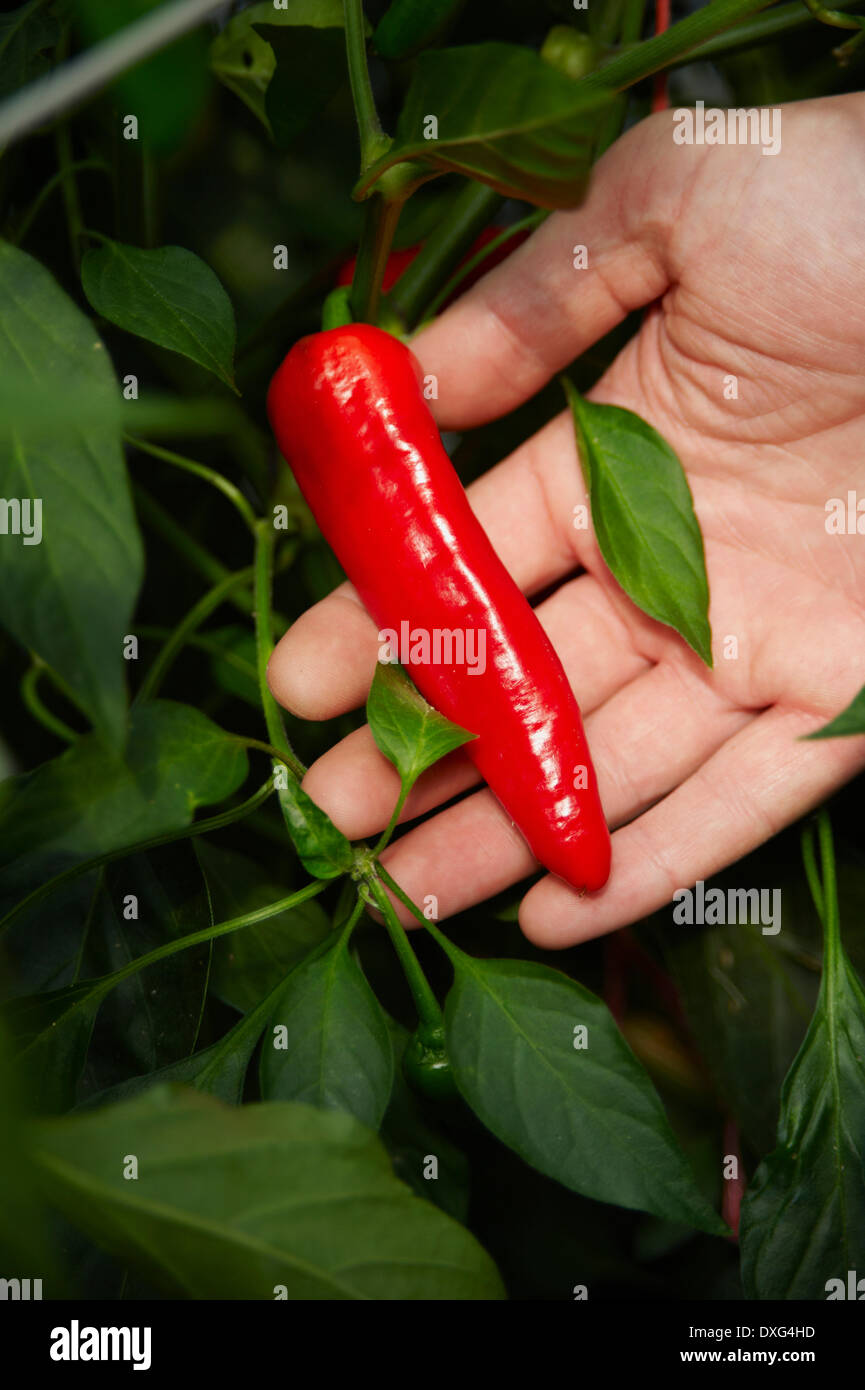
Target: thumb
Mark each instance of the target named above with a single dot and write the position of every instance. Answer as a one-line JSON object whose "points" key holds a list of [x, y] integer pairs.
{"points": [[532, 315]]}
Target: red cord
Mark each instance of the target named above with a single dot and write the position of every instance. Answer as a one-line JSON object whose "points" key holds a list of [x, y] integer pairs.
{"points": [[659, 86]]}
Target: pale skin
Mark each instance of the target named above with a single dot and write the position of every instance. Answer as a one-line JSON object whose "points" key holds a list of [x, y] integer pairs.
{"points": [[753, 267]]}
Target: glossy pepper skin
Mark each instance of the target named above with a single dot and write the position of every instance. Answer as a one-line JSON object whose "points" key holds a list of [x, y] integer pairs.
{"points": [[426, 1064], [348, 413]]}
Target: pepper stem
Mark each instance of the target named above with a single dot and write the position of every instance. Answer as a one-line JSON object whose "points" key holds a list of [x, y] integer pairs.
{"points": [[428, 1008], [381, 216], [373, 141]]}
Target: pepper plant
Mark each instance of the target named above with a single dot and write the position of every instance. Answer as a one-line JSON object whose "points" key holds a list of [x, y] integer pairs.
{"points": [[228, 1070]]}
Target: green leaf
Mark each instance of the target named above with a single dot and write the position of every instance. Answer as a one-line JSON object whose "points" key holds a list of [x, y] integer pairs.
{"points": [[748, 1003], [324, 851], [25, 34], [153, 1018], [168, 296], [644, 520], [803, 1217], [850, 721], [51, 1034], [237, 1203], [410, 25], [327, 1042], [285, 65], [309, 47], [505, 118], [219, 1070], [408, 731], [235, 670], [748, 995], [144, 1021], [70, 597], [167, 91], [24, 1229], [588, 1116], [249, 964], [243, 61], [90, 801]]}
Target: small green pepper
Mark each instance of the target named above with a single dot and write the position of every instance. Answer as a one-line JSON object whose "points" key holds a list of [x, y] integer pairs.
{"points": [[426, 1064], [571, 51]]}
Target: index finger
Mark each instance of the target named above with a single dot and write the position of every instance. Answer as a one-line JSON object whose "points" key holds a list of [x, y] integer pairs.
{"points": [[538, 310]]}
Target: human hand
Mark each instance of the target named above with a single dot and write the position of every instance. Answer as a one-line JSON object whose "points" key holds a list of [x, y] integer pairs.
{"points": [[751, 265]]}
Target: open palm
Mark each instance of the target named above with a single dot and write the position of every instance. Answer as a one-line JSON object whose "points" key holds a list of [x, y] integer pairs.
{"points": [[751, 362]]}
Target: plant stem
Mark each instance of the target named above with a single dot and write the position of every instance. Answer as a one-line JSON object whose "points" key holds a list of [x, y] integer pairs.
{"points": [[833, 17], [187, 625], [422, 280], [228, 489], [761, 29], [373, 140], [203, 644], [74, 167], [376, 238], [533, 220], [811, 872], [401, 894], [831, 924], [202, 827], [183, 943], [269, 748], [178, 537], [659, 84], [263, 647], [88, 72], [428, 1008], [450, 950], [33, 702], [336, 310], [391, 825], [632, 21], [71, 201], [608, 23], [633, 64]]}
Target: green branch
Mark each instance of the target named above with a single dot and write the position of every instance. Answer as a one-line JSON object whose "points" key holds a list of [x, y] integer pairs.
{"points": [[633, 64], [200, 470], [373, 141], [263, 648], [428, 1008], [420, 282], [194, 618], [40, 712], [107, 983]]}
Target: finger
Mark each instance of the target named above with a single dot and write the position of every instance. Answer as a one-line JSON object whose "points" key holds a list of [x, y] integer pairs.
{"points": [[657, 731], [324, 664], [654, 733], [758, 782], [537, 311], [460, 857], [358, 787]]}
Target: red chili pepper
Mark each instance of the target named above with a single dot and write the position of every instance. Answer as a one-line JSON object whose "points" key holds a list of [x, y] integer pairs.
{"points": [[348, 412], [398, 261]]}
